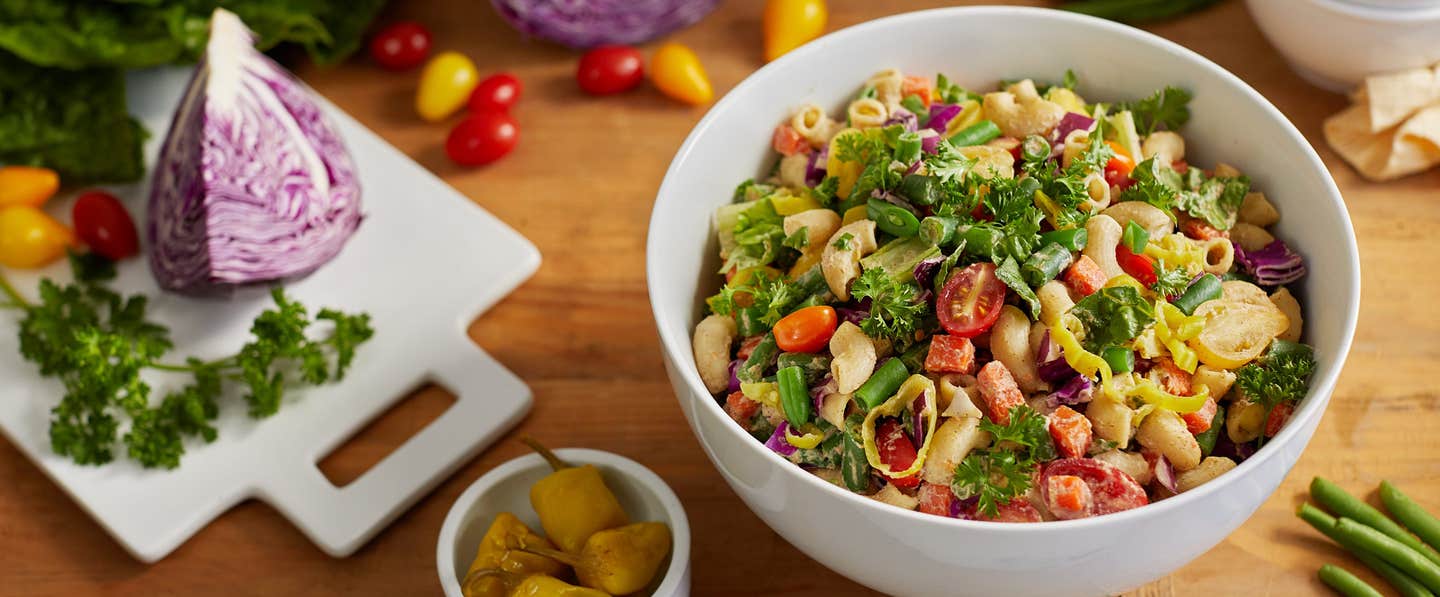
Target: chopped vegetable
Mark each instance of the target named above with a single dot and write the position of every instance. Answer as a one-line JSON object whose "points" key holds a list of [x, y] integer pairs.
{"points": [[896, 308], [1166, 109], [1113, 316], [997, 476], [1278, 377], [1273, 265], [677, 72], [592, 23], [220, 234]]}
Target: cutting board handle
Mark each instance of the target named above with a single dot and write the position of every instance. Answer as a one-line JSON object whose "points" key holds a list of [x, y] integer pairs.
{"points": [[341, 519]]}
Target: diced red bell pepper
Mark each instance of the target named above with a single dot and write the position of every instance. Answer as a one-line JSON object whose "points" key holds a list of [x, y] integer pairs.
{"points": [[741, 408], [789, 141], [1084, 277], [1017, 510], [999, 392], [935, 499], [896, 451], [1278, 416], [1071, 432], [950, 354], [1199, 229], [1200, 420], [1140, 267], [747, 347]]}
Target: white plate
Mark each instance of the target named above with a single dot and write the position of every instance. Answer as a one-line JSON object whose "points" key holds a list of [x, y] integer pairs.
{"points": [[425, 262]]}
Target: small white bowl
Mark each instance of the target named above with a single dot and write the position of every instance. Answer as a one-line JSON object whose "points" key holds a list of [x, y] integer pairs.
{"points": [[1336, 44], [506, 488]]}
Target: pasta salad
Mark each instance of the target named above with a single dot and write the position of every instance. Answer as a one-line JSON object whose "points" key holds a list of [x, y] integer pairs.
{"points": [[1011, 306]]}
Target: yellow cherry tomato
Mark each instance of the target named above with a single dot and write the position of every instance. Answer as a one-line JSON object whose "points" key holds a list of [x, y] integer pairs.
{"points": [[677, 72], [788, 24], [30, 238], [445, 85], [27, 185]]}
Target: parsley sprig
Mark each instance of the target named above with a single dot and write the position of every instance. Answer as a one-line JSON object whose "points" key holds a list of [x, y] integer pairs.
{"points": [[1003, 472], [896, 308], [1167, 108], [98, 343], [1280, 376]]}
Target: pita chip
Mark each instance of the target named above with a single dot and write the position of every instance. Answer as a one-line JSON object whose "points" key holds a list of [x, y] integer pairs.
{"points": [[1393, 97]]}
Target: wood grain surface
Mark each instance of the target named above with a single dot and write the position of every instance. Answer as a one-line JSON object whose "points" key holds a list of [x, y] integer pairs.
{"points": [[580, 186]]}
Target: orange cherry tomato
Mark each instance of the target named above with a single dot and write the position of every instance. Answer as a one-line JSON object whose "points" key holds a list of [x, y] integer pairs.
{"points": [[27, 185], [1122, 164], [806, 330]]}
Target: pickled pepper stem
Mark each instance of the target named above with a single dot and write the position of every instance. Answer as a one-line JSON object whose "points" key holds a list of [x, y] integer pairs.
{"points": [[12, 294], [479, 574], [554, 554], [544, 452]]}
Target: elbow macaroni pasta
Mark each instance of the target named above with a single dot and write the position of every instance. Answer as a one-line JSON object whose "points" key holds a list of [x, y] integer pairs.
{"points": [[867, 113], [814, 125], [1104, 234]]}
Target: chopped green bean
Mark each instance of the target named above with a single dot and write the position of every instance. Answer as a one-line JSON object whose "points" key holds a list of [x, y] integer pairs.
{"points": [[939, 230], [914, 358], [882, 384], [1034, 149], [1043, 265], [753, 370], [1338, 501], [1396, 553], [854, 465], [1325, 523], [815, 366], [1345, 583], [892, 218], [981, 240], [1203, 289], [1073, 239], [919, 189], [794, 396], [1411, 514], [1135, 237], [907, 147], [748, 323], [975, 134], [1120, 359]]}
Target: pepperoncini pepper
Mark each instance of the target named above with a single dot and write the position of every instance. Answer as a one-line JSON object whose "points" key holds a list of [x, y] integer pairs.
{"points": [[500, 552], [917, 394], [573, 502], [618, 561], [546, 586]]}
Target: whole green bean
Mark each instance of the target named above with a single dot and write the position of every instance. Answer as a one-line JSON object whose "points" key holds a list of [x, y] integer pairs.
{"points": [[939, 230], [975, 134], [753, 369], [1338, 501], [854, 465], [882, 384], [1392, 551], [794, 396], [815, 366], [1325, 523], [1345, 583], [1411, 514], [892, 218], [747, 321], [919, 189]]}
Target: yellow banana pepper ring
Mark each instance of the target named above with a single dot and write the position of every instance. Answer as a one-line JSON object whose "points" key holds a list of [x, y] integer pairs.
{"points": [[1172, 328], [914, 388], [812, 438], [1176, 251]]}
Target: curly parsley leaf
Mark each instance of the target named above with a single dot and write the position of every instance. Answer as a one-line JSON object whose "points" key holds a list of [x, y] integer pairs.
{"points": [[1003, 472], [896, 308], [771, 296], [1167, 108], [799, 240], [947, 163], [1280, 376], [1171, 281], [1113, 316], [1153, 192]]}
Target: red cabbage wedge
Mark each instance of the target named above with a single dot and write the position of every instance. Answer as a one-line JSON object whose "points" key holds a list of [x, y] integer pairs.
{"points": [[253, 183]]}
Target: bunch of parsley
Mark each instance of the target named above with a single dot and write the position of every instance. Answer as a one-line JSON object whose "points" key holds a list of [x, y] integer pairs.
{"points": [[97, 343], [1004, 472]]}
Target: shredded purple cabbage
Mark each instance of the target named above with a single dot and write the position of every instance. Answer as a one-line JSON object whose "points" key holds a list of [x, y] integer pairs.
{"points": [[905, 118], [590, 23], [818, 393], [854, 316], [1055, 371], [734, 378], [1273, 265], [815, 168], [941, 115], [930, 144], [925, 271], [777, 442], [1070, 123], [917, 420], [1078, 390], [1043, 354], [964, 509]]}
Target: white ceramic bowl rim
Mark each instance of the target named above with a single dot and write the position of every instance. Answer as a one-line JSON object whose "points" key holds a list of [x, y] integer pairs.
{"points": [[677, 345], [679, 523], [1407, 14]]}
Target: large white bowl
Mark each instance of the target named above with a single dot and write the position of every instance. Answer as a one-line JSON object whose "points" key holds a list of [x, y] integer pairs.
{"points": [[909, 553], [1335, 44]]}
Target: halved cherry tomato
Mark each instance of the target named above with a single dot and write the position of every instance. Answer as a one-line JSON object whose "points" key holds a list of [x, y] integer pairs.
{"points": [[1068, 496], [1200, 420], [103, 224], [1071, 432], [1016, 510], [741, 408], [970, 301], [935, 499], [788, 141], [1277, 418], [27, 185], [677, 73], [896, 451], [1121, 164], [1140, 267], [482, 138], [999, 392], [806, 330], [922, 87], [1172, 378], [401, 45], [610, 69], [1085, 277], [30, 238], [950, 354], [1111, 490], [497, 92]]}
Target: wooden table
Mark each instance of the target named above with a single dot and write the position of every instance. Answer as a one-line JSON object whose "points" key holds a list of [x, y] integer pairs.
{"points": [[580, 186]]}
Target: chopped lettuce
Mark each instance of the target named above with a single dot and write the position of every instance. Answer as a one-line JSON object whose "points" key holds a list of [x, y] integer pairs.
{"points": [[1113, 316]]}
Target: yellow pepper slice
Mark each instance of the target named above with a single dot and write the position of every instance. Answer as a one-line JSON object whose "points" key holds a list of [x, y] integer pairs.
{"points": [[1172, 328], [764, 392], [970, 113], [855, 214], [914, 388], [788, 203], [1176, 251], [845, 172], [812, 438]]}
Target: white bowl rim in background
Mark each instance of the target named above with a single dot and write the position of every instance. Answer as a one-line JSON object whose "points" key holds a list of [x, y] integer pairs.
{"points": [[678, 345], [677, 576]]}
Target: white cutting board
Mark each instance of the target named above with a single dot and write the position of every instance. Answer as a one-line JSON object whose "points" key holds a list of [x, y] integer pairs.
{"points": [[425, 263]]}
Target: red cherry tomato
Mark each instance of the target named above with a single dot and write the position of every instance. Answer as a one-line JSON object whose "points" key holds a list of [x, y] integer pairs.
{"points": [[896, 451], [935, 499], [1016, 510], [497, 92], [482, 138], [806, 330], [1111, 490], [970, 301], [1140, 267], [610, 69], [400, 46], [102, 223]]}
